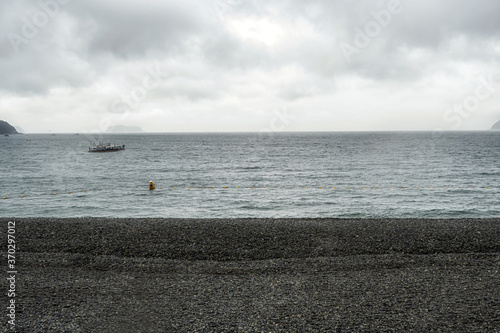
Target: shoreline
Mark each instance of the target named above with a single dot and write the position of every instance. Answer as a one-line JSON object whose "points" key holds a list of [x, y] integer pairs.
{"points": [[278, 275]]}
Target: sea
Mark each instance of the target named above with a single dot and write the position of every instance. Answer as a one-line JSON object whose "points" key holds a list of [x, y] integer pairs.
{"points": [[255, 175]]}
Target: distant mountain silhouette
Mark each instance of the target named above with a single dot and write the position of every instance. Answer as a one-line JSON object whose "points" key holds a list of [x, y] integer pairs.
{"points": [[6, 128], [124, 129], [496, 127]]}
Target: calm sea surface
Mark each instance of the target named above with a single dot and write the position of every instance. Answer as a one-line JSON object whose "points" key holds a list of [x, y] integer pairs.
{"points": [[280, 175]]}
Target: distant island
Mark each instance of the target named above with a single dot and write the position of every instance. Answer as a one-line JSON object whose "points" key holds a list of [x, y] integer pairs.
{"points": [[124, 129], [6, 128], [496, 127]]}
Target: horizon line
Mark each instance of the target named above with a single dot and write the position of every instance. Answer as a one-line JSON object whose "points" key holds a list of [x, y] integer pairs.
{"points": [[262, 132]]}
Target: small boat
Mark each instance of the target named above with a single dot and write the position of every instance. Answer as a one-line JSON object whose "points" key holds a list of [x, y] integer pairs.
{"points": [[105, 147]]}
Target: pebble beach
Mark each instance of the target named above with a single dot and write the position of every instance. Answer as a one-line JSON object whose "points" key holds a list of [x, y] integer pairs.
{"points": [[256, 275]]}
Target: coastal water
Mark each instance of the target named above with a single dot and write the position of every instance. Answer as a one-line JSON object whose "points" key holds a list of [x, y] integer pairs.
{"points": [[379, 174]]}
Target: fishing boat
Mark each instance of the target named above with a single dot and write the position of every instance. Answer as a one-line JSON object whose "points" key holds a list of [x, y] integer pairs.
{"points": [[104, 147]]}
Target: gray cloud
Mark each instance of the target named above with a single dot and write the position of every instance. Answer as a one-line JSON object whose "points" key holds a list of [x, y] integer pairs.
{"points": [[222, 55], [127, 30]]}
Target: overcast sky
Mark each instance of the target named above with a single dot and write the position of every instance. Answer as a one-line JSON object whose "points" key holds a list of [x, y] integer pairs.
{"points": [[249, 65]]}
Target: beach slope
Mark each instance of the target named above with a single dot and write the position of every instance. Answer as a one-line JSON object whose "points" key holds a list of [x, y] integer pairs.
{"points": [[252, 275]]}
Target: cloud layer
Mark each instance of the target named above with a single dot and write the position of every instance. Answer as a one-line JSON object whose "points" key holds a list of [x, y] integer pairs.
{"points": [[234, 65]]}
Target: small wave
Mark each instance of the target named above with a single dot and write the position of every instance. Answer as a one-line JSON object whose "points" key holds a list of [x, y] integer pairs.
{"points": [[250, 168], [255, 207], [496, 173]]}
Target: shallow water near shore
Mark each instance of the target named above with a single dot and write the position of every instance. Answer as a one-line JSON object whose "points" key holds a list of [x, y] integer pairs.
{"points": [[250, 175]]}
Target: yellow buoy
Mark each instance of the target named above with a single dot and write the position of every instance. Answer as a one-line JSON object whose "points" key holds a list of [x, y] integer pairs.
{"points": [[151, 185]]}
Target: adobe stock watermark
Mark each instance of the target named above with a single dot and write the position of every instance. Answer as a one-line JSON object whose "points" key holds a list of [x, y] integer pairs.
{"points": [[224, 7], [152, 80], [11, 274], [280, 120], [455, 116], [372, 29], [137, 95], [32, 25]]}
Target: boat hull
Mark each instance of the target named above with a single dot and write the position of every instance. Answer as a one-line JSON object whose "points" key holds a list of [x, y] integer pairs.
{"points": [[105, 149]]}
